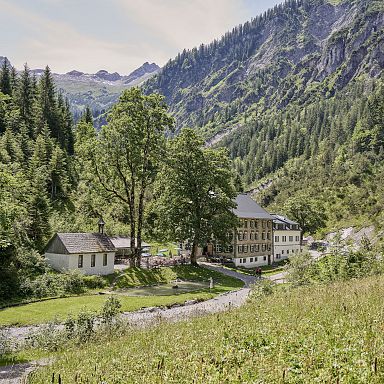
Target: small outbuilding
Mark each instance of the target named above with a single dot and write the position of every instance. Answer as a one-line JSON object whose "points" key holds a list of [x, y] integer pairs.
{"points": [[90, 253]]}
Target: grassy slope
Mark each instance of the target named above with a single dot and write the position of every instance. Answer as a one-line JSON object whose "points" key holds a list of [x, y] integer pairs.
{"points": [[59, 309], [320, 334]]}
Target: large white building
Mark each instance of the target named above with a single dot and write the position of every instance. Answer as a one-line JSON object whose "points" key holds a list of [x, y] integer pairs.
{"points": [[286, 238]]}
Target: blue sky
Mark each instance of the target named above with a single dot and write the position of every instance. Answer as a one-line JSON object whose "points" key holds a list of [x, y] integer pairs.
{"points": [[116, 35]]}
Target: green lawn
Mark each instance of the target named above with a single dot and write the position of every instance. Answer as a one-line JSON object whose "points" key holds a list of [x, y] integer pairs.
{"points": [[48, 310], [319, 334]]}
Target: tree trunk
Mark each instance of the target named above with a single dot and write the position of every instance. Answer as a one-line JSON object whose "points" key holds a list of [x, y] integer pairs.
{"points": [[140, 215], [194, 253]]}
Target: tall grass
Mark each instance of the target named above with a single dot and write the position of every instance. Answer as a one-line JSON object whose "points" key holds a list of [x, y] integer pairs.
{"points": [[317, 334]]}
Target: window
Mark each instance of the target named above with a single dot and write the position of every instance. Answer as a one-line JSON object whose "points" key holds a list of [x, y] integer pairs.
{"points": [[256, 236], [269, 247], [240, 261], [284, 239], [265, 258], [105, 259], [255, 259], [287, 251], [80, 261], [269, 223], [278, 256], [93, 260], [230, 249], [263, 247], [245, 235], [257, 248], [290, 238], [297, 238], [251, 260], [263, 236], [276, 239], [239, 236], [262, 224], [268, 235], [282, 252], [251, 235], [252, 224], [244, 260], [218, 248], [240, 248], [245, 248], [245, 224]]}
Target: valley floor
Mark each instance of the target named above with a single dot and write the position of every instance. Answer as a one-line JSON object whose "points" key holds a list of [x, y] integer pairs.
{"points": [[325, 333]]}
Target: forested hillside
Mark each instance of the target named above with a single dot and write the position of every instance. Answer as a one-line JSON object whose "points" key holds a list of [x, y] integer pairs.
{"points": [[296, 95]]}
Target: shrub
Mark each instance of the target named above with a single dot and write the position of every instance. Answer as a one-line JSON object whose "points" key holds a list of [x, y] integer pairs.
{"points": [[110, 310], [73, 282], [94, 282]]}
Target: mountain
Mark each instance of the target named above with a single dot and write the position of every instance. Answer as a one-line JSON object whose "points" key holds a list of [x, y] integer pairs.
{"points": [[296, 95], [2, 60], [100, 90], [289, 53]]}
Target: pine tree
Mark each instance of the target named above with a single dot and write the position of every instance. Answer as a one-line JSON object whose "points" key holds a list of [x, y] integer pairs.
{"points": [[48, 104], [26, 97], [5, 79]]}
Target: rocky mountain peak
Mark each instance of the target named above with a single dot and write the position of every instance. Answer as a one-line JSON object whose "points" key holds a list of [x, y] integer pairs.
{"points": [[145, 69], [75, 73], [105, 75], [4, 59]]}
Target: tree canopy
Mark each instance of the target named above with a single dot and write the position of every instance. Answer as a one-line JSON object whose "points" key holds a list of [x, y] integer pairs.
{"points": [[194, 194]]}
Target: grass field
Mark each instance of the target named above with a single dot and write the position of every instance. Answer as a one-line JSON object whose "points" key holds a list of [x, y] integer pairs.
{"points": [[59, 309], [319, 334]]}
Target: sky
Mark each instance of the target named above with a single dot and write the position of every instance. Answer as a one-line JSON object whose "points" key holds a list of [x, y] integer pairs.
{"points": [[115, 35]]}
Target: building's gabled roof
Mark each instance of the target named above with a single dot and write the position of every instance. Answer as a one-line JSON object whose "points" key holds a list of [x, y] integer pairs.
{"points": [[278, 219], [123, 242], [70, 243], [248, 208]]}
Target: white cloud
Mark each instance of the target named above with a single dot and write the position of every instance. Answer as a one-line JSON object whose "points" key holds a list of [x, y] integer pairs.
{"points": [[158, 30], [185, 23]]}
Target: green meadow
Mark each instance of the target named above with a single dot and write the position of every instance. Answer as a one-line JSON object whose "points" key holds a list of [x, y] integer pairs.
{"points": [[318, 334]]}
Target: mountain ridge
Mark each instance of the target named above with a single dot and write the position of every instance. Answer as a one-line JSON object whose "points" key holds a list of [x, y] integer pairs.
{"points": [[291, 51]]}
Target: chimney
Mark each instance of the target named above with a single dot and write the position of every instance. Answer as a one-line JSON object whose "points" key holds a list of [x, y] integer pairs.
{"points": [[101, 226]]}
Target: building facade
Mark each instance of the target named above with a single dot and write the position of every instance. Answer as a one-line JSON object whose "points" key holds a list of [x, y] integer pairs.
{"points": [[286, 238], [251, 243], [89, 253]]}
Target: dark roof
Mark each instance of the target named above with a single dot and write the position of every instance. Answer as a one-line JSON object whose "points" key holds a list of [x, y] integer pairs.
{"points": [[248, 208], [283, 219], [80, 243], [122, 242]]}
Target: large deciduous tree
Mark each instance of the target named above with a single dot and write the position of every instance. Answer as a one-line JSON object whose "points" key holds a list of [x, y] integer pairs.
{"points": [[128, 154], [308, 212], [195, 193]]}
